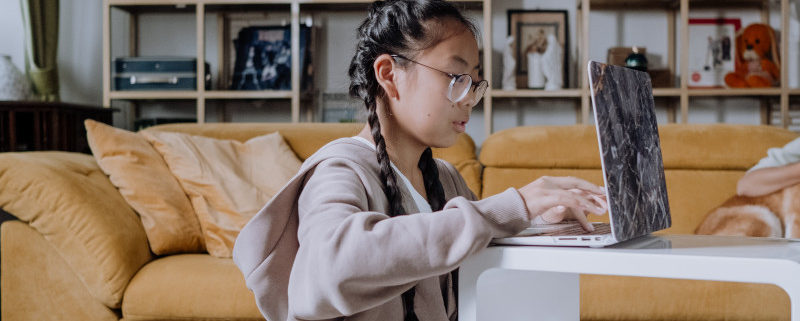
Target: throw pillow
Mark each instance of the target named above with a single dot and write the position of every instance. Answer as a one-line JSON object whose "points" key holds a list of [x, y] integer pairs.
{"points": [[140, 174], [771, 215], [227, 181]]}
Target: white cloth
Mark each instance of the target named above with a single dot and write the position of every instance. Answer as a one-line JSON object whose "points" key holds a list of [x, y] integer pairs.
{"points": [[422, 204], [788, 154]]}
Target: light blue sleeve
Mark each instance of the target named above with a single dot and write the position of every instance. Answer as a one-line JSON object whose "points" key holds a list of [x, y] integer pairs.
{"points": [[788, 154]]}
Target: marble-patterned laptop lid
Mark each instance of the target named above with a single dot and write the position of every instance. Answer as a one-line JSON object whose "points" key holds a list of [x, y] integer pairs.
{"points": [[630, 150]]}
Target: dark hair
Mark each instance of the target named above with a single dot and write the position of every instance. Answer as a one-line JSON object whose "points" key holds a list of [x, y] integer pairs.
{"points": [[400, 27]]}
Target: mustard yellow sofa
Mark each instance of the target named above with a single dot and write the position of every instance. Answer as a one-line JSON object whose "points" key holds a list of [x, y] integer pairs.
{"points": [[79, 252]]}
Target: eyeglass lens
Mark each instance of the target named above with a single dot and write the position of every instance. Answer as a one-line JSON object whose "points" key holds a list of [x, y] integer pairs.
{"points": [[460, 89]]}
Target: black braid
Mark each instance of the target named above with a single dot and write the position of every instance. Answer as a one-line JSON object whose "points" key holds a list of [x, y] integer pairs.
{"points": [[399, 27], [430, 175], [390, 188]]}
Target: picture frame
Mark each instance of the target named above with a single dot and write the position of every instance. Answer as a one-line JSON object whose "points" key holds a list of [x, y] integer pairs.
{"points": [[528, 27], [263, 58], [711, 50]]}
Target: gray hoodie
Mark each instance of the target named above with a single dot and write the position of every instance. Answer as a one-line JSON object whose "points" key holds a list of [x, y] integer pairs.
{"points": [[323, 248]]}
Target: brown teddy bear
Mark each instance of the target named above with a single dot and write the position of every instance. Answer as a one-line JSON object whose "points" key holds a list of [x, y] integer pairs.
{"points": [[757, 61]]}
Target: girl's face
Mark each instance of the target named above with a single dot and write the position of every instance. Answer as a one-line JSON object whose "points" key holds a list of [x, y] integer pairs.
{"points": [[422, 108]]}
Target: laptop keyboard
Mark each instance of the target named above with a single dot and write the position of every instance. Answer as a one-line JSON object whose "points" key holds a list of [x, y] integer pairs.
{"points": [[566, 230]]}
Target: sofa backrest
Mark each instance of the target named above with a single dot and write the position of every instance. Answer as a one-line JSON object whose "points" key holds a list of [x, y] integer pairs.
{"points": [[702, 163], [307, 138]]}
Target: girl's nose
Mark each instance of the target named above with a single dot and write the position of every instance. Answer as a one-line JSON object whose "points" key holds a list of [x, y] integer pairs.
{"points": [[465, 103]]}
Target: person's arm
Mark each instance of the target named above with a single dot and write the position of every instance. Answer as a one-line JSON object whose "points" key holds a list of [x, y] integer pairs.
{"points": [[768, 180]]}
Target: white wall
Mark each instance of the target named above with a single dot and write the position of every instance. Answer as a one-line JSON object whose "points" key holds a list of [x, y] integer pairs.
{"points": [[11, 43], [79, 47], [173, 34]]}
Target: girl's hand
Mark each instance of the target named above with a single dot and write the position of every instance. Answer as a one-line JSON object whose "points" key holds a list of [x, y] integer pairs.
{"points": [[554, 199]]}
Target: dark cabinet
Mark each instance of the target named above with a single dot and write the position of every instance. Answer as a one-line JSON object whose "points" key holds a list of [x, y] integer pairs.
{"points": [[32, 126]]}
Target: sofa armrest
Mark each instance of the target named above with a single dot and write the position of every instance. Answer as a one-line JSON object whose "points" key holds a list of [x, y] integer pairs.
{"points": [[71, 202]]}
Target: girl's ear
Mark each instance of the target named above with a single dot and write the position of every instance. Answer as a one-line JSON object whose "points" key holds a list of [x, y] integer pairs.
{"points": [[384, 72]]}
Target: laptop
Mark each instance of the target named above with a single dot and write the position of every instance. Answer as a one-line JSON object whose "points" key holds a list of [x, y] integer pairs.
{"points": [[633, 170]]}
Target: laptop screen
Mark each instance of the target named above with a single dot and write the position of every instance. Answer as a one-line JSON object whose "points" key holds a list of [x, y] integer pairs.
{"points": [[630, 150]]}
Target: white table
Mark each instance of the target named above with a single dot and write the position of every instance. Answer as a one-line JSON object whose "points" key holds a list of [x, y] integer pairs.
{"points": [[542, 283]]}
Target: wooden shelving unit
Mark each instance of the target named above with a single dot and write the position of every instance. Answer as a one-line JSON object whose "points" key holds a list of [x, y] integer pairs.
{"points": [[524, 93], [678, 98], [198, 7], [680, 8]]}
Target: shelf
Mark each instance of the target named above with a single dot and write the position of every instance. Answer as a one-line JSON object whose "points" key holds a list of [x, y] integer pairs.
{"points": [[348, 5], [735, 92], [217, 94], [569, 93], [151, 2], [534, 93], [758, 4], [227, 6], [239, 2], [672, 4], [794, 91], [666, 92], [191, 2], [243, 2], [638, 4], [248, 94], [154, 94], [149, 6]]}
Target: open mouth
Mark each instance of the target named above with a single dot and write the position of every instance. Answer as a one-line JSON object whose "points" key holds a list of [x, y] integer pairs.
{"points": [[460, 126]]}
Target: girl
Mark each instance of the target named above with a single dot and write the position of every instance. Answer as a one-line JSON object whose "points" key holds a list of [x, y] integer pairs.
{"points": [[372, 226]]}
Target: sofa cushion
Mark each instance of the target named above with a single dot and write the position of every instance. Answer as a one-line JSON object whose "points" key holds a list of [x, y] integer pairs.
{"points": [[307, 138], [227, 181], [718, 146], [68, 199], [303, 138], [542, 147], [143, 179], [189, 287], [712, 146], [33, 271]]}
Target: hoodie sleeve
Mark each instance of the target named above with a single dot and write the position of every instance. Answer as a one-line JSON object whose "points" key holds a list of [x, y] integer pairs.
{"points": [[352, 259]]}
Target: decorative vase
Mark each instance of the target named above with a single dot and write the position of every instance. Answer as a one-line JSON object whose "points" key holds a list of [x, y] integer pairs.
{"points": [[636, 60], [535, 73], [13, 83]]}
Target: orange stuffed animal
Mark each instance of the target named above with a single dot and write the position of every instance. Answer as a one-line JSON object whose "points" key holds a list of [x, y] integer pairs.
{"points": [[757, 61]]}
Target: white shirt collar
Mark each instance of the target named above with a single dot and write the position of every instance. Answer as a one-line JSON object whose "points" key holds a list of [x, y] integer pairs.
{"points": [[422, 204]]}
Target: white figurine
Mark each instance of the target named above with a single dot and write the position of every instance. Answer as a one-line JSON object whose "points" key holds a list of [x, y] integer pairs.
{"points": [[509, 65], [534, 51], [552, 64]]}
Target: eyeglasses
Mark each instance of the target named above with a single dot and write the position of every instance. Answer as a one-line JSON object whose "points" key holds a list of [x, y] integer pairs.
{"points": [[461, 85]]}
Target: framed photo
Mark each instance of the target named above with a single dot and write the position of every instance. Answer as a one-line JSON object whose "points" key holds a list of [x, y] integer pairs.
{"points": [[530, 29], [264, 58], [711, 51]]}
